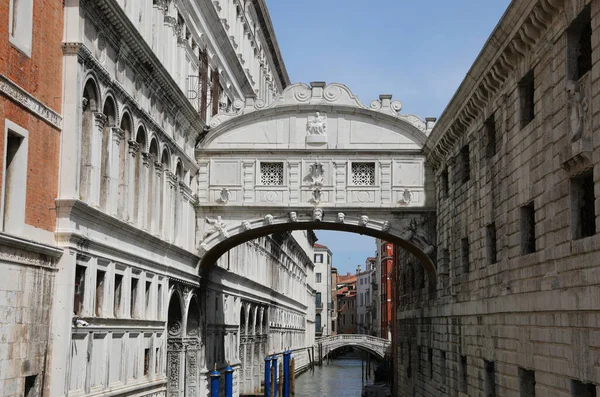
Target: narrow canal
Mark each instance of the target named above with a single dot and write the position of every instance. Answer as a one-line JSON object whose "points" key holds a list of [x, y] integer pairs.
{"points": [[340, 378]]}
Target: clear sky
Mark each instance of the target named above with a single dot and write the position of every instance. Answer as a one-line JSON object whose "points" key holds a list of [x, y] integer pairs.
{"points": [[417, 50]]}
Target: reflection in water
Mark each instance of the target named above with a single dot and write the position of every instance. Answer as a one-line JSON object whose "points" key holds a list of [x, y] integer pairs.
{"points": [[339, 378]]}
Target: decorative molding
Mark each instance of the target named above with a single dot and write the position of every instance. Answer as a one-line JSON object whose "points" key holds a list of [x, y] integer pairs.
{"points": [[25, 99]]}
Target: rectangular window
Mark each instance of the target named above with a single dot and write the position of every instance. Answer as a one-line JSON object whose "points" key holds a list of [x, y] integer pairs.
{"points": [[318, 258], [465, 162], [148, 301], [464, 380], [526, 383], [490, 237], [430, 361], [20, 24], [490, 137], [133, 298], [318, 301], [527, 229], [118, 294], [580, 389], [157, 361], [318, 277], [583, 213], [464, 246], [100, 277], [271, 174], [79, 292], [146, 362], [526, 99], [445, 184], [363, 174], [490, 378], [160, 300], [15, 178], [579, 45], [443, 366], [31, 386]]}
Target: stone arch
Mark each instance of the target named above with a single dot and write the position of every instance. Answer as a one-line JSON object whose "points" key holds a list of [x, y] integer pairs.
{"points": [[359, 347], [91, 121], [179, 170], [165, 159], [414, 232], [193, 318], [175, 315], [110, 112]]}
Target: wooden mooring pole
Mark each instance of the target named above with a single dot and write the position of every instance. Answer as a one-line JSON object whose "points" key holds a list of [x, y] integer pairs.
{"points": [[272, 381], [293, 375], [280, 384]]}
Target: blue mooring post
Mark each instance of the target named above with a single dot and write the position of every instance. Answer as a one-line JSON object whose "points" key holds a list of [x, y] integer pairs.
{"points": [[268, 376], [228, 381], [286, 373], [274, 385], [214, 382]]}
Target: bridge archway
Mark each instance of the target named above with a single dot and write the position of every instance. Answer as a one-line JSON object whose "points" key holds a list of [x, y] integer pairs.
{"points": [[377, 346], [315, 158]]}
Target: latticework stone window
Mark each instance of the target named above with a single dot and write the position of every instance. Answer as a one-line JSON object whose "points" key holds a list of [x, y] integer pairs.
{"points": [[363, 174], [271, 174]]}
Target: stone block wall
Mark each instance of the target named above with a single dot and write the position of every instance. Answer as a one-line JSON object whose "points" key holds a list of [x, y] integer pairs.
{"points": [[516, 310], [25, 299]]}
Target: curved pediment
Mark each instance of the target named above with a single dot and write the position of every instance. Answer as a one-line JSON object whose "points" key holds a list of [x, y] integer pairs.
{"points": [[319, 117]]}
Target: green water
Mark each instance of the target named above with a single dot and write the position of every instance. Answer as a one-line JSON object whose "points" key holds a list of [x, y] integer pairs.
{"points": [[339, 378]]}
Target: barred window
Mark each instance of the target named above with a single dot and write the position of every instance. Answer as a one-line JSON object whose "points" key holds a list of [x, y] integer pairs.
{"points": [[363, 174], [271, 174]]}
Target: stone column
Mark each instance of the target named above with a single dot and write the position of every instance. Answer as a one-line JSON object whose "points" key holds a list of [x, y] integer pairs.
{"points": [[96, 159], [145, 199], [133, 149], [169, 205], [191, 367], [158, 171], [117, 136], [175, 357]]}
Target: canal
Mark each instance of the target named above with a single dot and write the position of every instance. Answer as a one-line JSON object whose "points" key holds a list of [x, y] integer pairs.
{"points": [[340, 378]]}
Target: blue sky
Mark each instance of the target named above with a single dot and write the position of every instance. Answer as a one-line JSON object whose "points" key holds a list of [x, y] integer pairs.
{"points": [[418, 51]]}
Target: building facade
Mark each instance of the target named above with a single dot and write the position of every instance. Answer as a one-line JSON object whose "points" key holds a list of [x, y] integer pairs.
{"points": [[322, 260], [30, 135], [515, 306], [364, 315], [334, 301], [386, 254], [346, 297]]}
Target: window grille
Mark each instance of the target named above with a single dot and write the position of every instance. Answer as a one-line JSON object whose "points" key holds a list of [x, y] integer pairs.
{"points": [[363, 174], [271, 174]]}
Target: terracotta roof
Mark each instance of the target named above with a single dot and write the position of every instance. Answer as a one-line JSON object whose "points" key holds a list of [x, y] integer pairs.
{"points": [[347, 279], [317, 245]]}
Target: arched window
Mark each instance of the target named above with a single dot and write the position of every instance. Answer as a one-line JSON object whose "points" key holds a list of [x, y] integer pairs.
{"points": [[110, 112], [153, 188], [86, 171]]}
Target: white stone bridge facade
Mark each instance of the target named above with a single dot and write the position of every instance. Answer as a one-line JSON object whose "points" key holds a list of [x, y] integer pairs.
{"points": [[315, 158], [378, 346]]}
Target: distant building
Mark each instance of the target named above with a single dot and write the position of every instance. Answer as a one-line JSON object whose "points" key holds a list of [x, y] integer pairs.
{"points": [[385, 256], [346, 296], [364, 297], [334, 301], [322, 260]]}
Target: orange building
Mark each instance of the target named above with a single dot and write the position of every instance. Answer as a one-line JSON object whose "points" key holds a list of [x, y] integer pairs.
{"points": [[346, 296], [30, 129], [386, 260]]}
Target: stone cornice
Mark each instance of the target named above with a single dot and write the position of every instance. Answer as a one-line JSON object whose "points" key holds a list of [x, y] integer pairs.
{"points": [[523, 25], [77, 209], [155, 69], [27, 252], [28, 101], [267, 28]]}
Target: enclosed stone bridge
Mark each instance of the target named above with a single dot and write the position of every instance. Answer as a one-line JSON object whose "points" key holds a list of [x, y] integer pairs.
{"points": [[378, 346], [315, 158]]}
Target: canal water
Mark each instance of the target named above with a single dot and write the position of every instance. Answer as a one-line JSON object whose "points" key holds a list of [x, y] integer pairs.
{"points": [[340, 378]]}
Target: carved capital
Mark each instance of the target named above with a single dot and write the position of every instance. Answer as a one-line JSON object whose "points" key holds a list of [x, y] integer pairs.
{"points": [[100, 119], [171, 178], [117, 135], [134, 147], [158, 167], [146, 159]]}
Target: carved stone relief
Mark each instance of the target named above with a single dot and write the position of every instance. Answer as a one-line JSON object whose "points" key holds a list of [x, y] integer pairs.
{"points": [[219, 226]]}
